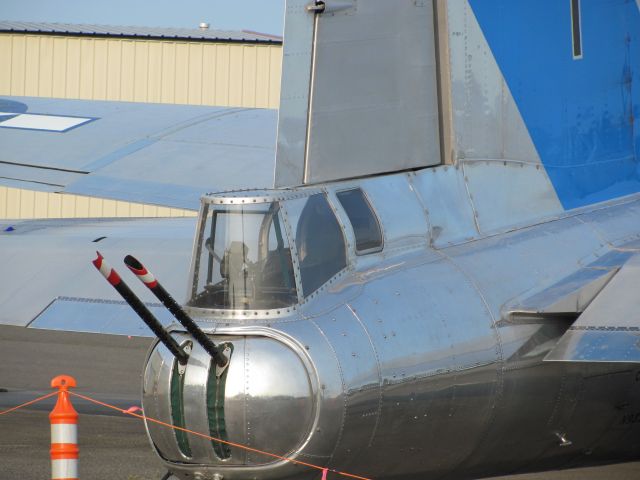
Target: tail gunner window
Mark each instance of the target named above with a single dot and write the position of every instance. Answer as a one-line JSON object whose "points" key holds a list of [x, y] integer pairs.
{"points": [[365, 224], [245, 259], [319, 241]]}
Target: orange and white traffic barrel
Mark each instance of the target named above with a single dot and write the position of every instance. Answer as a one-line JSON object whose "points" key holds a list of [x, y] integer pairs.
{"points": [[64, 432]]}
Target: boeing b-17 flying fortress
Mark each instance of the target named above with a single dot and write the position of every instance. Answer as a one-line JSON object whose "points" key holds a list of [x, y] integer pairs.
{"points": [[429, 271]]}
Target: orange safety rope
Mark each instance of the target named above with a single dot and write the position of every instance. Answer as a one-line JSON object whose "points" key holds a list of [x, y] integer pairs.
{"points": [[233, 444], [36, 400]]}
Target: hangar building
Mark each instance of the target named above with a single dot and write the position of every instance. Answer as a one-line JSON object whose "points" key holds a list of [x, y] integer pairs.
{"points": [[130, 64]]}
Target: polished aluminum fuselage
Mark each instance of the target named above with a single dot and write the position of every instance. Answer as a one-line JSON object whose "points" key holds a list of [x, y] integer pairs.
{"points": [[408, 364], [518, 184]]}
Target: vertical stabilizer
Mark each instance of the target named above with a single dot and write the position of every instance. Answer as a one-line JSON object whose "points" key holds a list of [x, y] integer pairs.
{"points": [[359, 90]]}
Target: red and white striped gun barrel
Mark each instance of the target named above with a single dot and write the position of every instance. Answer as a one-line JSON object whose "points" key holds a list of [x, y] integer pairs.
{"points": [[146, 277], [136, 304]]}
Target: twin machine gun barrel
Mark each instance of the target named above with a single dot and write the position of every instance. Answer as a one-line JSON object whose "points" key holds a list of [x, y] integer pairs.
{"points": [[167, 300]]}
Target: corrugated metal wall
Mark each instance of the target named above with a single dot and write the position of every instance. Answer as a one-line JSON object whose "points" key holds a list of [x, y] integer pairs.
{"points": [[18, 203], [157, 71], [149, 71]]}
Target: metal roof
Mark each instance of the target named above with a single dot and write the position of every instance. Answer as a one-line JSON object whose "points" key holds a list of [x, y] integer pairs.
{"points": [[193, 34]]}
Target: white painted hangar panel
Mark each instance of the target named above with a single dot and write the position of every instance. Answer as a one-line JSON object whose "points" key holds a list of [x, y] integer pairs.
{"points": [[99, 64]]}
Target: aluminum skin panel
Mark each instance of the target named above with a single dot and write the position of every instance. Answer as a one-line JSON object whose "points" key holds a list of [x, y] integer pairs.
{"points": [[156, 193], [572, 294], [609, 328], [505, 194], [284, 395], [612, 226], [153, 175], [266, 387], [438, 357], [550, 395], [402, 218], [331, 404], [97, 316], [39, 177], [156, 395], [28, 185], [616, 385], [497, 263], [230, 157], [479, 197], [598, 344], [443, 192], [272, 384], [378, 111], [486, 121], [294, 96], [236, 409], [196, 375], [161, 154], [362, 380], [118, 126]]}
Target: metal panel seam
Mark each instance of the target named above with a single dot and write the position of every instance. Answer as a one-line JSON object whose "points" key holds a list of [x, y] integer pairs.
{"points": [[312, 81], [377, 357], [344, 389], [425, 210], [499, 391], [470, 197]]}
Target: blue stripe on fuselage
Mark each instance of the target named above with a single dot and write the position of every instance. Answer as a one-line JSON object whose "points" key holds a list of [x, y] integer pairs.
{"points": [[580, 113]]}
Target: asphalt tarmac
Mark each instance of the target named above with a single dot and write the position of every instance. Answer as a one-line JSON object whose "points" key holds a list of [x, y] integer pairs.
{"points": [[117, 448], [112, 446]]}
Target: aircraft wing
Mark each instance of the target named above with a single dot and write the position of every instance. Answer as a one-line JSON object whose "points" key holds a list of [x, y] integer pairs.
{"points": [[47, 279], [609, 328], [166, 155]]}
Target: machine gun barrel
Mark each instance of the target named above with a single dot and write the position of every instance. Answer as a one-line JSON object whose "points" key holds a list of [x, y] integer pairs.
{"points": [[176, 310], [143, 312]]}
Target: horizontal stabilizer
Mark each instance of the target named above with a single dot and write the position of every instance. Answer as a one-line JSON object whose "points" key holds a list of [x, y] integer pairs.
{"points": [[609, 328], [97, 316], [568, 297], [48, 259]]}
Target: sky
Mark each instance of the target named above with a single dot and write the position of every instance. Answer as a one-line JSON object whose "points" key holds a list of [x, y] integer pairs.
{"points": [[264, 16]]}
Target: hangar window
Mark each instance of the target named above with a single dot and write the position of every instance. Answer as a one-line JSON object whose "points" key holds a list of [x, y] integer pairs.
{"points": [[319, 241], [366, 227]]}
